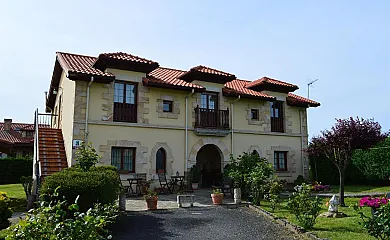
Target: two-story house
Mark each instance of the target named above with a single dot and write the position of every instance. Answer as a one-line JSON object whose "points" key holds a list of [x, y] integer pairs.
{"points": [[144, 118]]}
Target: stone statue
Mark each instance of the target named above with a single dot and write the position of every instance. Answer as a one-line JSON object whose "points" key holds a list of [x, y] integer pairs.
{"points": [[333, 204]]}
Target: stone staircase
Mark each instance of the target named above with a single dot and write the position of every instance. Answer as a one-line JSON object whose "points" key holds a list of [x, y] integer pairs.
{"points": [[51, 151]]}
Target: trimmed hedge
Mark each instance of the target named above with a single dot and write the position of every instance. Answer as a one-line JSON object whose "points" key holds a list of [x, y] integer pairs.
{"points": [[12, 169], [98, 185], [327, 173]]}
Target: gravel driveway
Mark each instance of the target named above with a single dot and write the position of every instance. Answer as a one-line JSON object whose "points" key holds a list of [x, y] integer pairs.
{"points": [[198, 223]]}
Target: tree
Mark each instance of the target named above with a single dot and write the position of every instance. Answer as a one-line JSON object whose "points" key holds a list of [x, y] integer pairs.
{"points": [[374, 162], [338, 143]]}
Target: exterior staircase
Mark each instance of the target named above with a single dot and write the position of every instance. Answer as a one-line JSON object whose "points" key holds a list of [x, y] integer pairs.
{"points": [[52, 154]]}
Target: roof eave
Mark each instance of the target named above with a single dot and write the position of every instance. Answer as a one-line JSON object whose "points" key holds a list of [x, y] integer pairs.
{"points": [[149, 83], [228, 92]]}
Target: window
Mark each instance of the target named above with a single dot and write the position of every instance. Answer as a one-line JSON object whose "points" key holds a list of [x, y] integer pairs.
{"points": [[29, 133], [161, 160], [167, 106], [255, 114], [277, 121], [280, 161], [209, 100], [123, 158], [125, 102]]}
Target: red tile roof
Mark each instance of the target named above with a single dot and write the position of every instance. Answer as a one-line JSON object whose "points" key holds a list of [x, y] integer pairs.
{"points": [[209, 70], [14, 135], [268, 80], [75, 63], [126, 57], [298, 100], [170, 77], [240, 87]]}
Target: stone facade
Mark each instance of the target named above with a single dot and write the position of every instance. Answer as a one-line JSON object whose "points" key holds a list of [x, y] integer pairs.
{"points": [[143, 100], [291, 159], [108, 105], [175, 108], [141, 160], [80, 105], [169, 159], [264, 116], [287, 118], [223, 150]]}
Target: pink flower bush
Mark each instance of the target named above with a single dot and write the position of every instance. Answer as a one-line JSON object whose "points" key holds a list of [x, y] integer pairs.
{"points": [[373, 202]]}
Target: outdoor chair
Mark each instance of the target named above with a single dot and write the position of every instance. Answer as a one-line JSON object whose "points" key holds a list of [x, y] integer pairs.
{"points": [[165, 185], [187, 183], [126, 186]]}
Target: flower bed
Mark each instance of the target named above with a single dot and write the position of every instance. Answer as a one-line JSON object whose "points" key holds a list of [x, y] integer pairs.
{"points": [[373, 202], [318, 187]]}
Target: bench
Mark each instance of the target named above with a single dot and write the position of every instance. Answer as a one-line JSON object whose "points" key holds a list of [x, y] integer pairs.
{"points": [[189, 199]]}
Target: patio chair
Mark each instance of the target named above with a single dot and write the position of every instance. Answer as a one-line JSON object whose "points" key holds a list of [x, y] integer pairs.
{"points": [[226, 186], [165, 185], [126, 186], [187, 183]]}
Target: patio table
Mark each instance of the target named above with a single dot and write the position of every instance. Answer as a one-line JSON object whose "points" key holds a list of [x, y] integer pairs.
{"points": [[177, 181]]}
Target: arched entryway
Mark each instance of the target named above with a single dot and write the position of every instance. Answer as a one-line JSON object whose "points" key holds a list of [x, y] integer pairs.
{"points": [[209, 162]]}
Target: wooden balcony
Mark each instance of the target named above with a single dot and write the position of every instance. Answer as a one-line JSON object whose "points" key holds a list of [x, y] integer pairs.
{"points": [[124, 112], [277, 124], [211, 118]]}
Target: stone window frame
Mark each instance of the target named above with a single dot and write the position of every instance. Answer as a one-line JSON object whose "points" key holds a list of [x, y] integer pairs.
{"points": [[175, 107], [168, 159], [262, 115], [291, 160], [140, 151]]}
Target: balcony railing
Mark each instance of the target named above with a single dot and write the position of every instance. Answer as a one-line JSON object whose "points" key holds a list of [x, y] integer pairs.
{"points": [[125, 112], [277, 124], [211, 118], [47, 120]]}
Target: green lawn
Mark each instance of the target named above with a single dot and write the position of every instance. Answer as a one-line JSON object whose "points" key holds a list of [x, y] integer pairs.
{"points": [[17, 195], [347, 228], [361, 189], [13, 190]]}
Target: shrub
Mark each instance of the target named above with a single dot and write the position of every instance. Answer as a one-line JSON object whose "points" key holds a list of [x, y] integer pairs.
{"points": [[12, 169], [378, 225], [249, 172], [86, 156], [5, 211], [300, 179], [272, 190], [99, 185], [58, 220], [305, 208], [27, 183]]}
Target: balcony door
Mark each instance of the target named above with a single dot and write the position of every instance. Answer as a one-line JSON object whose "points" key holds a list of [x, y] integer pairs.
{"points": [[125, 102], [208, 111]]}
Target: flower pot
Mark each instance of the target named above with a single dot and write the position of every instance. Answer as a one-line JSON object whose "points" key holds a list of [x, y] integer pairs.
{"points": [[151, 203], [217, 198], [195, 186], [237, 195]]}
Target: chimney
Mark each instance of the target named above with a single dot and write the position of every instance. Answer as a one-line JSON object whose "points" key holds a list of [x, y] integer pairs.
{"points": [[7, 124]]}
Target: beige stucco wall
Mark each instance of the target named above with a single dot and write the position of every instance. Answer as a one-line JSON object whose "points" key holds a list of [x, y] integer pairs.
{"points": [[67, 91], [155, 129]]}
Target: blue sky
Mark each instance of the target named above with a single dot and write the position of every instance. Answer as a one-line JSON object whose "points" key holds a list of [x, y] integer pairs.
{"points": [[345, 44]]}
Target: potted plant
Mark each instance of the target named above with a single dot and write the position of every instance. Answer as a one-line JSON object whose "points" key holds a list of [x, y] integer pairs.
{"points": [[145, 186], [5, 211], [151, 200], [217, 196], [196, 177]]}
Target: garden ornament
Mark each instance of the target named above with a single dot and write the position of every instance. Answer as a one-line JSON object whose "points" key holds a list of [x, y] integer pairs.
{"points": [[333, 204]]}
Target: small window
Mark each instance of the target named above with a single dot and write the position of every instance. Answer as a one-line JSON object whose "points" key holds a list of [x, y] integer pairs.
{"points": [[167, 106], [280, 161], [123, 158], [255, 114]]}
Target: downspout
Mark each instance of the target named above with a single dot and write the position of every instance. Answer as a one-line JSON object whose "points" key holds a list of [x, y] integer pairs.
{"points": [[301, 130], [87, 111], [232, 120], [186, 131]]}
